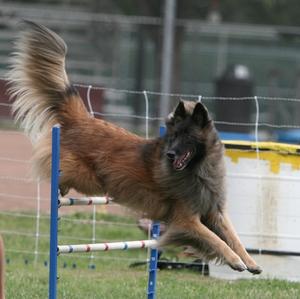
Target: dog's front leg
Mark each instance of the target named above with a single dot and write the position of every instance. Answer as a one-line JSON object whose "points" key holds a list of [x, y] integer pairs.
{"points": [[203, 234], [186, 229], [227, 230]]}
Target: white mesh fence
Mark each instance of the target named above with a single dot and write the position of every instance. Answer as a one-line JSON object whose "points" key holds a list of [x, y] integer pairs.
{"points": [[33, 203]]}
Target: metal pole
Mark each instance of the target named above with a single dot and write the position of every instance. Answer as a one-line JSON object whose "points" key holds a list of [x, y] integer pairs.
{"points": [[154, 251], [54, 212], [153, 262], [167, 55]]}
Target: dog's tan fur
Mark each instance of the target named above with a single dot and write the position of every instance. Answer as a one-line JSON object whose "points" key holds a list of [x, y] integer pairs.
{"points": [[98, 157]]}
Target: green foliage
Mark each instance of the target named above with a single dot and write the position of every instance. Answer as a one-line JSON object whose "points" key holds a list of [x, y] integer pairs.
{"points": [[280, 12], [276, 12]]}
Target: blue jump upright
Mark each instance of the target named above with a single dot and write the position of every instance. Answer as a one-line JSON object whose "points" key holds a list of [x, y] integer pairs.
{"points": [[153, 262], [155, 231], [55, 173], [54, 211]]}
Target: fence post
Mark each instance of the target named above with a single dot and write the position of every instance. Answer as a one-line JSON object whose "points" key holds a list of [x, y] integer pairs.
{"points": [[54, 211]]}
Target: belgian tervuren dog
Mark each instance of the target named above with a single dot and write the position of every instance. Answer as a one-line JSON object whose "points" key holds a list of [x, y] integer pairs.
{"points": [[178, 178]]}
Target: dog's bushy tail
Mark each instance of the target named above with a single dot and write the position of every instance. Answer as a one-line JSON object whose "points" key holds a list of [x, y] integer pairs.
{"points": [[38, 82]]}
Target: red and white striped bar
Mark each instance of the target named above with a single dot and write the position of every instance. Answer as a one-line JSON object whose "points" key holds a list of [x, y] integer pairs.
{"points": [[84, 201], [106, 246]]}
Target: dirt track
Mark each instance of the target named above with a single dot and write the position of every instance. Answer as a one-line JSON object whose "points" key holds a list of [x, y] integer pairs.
{"points": [[18, 191]]}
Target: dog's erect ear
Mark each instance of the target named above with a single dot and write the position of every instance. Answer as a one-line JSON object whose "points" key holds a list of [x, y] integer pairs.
{"points": [[200, 115], [179, 113]]}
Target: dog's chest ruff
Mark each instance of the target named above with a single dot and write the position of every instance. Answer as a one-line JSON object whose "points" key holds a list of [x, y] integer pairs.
{"points": [[207, 189]]}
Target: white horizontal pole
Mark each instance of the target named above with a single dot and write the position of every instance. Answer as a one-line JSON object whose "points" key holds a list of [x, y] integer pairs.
{"points": [[106, 246], [84, 201]]}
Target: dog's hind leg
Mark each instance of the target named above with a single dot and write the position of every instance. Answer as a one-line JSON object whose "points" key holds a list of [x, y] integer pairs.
{"points": [[63, 190], [227, 230]]}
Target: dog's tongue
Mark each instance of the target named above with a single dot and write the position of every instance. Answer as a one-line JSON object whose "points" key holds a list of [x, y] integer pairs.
{"points": [[180, 163]]}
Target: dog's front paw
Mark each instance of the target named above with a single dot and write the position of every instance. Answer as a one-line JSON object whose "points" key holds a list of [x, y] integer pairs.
{"points": [[238, 265], [254, 269]]}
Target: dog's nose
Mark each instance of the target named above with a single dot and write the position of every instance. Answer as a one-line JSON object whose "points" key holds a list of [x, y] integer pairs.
{"points": [[171, 155]]}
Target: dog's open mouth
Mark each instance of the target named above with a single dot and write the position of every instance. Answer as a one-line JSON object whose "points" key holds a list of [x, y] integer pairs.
{"points": [[182, 162]]}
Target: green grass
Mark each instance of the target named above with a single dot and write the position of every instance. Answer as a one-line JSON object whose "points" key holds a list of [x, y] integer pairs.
{"points": [[112, 276]]}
